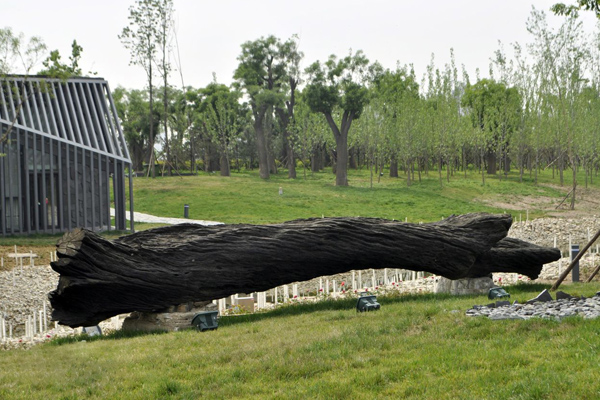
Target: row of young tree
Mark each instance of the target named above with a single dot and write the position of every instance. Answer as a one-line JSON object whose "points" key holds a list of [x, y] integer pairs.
{"points": [[539, 108]]}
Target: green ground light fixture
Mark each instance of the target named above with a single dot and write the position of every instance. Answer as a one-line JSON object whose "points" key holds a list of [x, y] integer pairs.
{"points": [[497, 293], [206, 321], [367, 302]]}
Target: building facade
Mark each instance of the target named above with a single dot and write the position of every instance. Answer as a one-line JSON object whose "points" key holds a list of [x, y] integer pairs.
{"points": [[64, 162]]}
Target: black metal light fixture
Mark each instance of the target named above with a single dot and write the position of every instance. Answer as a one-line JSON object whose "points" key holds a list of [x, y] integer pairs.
{"points": [[497, 293], [206, 321], [367, 302]]}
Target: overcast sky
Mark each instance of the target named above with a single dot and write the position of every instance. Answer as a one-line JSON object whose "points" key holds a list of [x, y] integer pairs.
{"points": [[209, 33]]}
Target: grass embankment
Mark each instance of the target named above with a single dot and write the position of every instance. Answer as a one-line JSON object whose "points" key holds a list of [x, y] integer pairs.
{"points": [[244, 197], [415, 347]]}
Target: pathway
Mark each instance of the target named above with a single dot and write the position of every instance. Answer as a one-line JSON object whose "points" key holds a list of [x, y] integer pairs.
{"points": [[141, 217]]}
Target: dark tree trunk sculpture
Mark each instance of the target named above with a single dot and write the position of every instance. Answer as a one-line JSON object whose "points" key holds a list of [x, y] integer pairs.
{"points": [[154, 269]]}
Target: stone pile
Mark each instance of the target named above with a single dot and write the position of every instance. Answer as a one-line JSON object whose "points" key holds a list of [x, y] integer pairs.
{"points": [[541, 307], [543, 231], [23, 292]]}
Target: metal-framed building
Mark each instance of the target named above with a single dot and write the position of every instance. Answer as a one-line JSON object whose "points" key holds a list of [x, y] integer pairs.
{"points": [[65, 162]]}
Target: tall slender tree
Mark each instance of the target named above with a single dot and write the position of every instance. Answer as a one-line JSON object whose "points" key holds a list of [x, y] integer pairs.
{"points": [[141, 38]]}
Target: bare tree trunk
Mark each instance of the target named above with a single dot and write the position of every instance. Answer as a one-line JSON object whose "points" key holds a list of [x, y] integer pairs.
{"points": [[154, 269]]}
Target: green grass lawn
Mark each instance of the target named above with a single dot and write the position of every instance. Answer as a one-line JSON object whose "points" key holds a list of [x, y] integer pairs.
{"points": [[415, 347], [244, 197]]}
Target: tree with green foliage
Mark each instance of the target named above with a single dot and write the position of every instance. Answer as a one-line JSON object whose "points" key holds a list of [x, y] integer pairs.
{"points": [[573, 9], [339, 84], [309, 135], [395, 95], [561, 57], [222, 113], [495, 111], [133, 109], [165, 12], [142, 38], [53, 66], [261, 75], [292, 57]]}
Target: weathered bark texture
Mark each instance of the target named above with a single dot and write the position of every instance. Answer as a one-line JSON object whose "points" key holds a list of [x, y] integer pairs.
{"points": [[154, 269]]}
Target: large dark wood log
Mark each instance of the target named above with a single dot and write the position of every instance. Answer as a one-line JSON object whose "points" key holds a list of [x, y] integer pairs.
{"points": [[154, 269]]}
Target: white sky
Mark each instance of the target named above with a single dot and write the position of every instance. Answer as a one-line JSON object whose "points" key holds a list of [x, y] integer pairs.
{"points": [[210, 32]]}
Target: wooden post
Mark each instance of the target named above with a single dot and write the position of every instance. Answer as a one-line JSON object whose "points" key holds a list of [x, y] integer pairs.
{"points": [[575, 260]]}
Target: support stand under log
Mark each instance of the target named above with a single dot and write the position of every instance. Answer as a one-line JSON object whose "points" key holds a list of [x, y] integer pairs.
{"points": [[154, 269]]}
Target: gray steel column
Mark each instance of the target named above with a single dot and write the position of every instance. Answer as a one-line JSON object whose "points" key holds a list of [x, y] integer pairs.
{"points": [[84, 188], [2, 188], [52, 198], [36, 197], [107, 192], [70, 172], [97, 131], [80, 117], [64, 115], [19, 166], [110, 131], [77, 207], [9, 170], [92, 192], [60, 207], [33, 105], [123, 151], [43, 195], [131, 222], [27, 212]]}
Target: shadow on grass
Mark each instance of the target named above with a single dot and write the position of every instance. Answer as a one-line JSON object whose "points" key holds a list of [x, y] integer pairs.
{"points": [[116, 335], [327, 305], [304, 308], [522, 287]]}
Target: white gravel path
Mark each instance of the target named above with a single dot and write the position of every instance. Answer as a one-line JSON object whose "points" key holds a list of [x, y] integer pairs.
{"points": [[141, 217]]}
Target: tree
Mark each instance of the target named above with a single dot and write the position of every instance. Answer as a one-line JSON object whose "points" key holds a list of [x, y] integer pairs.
{"points": [[495, 111], [292, 57], [165, 30], [141, 37], [222, 112], [261, 75], [53, 65], [572, 10], [133, 110], [561, 58], [339, 83], [396, 97]]}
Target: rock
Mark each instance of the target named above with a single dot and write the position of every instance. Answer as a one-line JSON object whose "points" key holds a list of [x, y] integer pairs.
{"points": [[165, 321], [543, 296], [562, 295], [468, 286]]}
